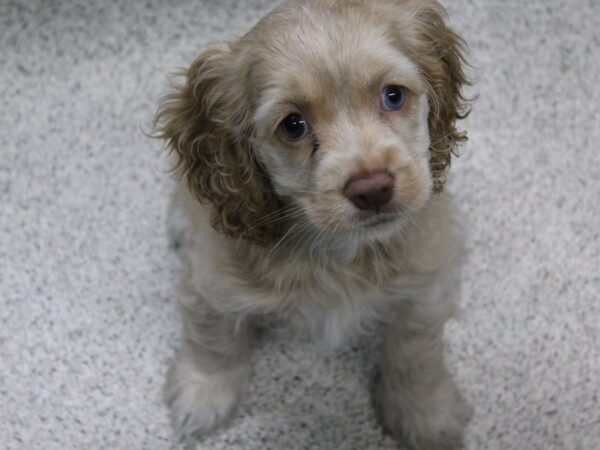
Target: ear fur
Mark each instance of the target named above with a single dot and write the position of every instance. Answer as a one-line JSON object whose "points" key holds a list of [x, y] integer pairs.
{"points": [[440, 55], [206, 125]]}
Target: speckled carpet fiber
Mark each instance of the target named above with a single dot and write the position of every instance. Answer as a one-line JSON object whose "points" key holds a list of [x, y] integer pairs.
{"points": [[88, 318]]}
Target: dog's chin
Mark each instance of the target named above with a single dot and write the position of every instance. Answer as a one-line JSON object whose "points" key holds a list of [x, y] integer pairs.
{"points": [[366, 226], [373, 220], [379, 226]]}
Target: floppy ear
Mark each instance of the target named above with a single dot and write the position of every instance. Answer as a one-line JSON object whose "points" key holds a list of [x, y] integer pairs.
{"points": [[440, 55], [206, 124]]}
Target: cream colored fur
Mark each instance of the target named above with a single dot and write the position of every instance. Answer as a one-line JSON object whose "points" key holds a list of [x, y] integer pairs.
{"points": [[264, 226]]}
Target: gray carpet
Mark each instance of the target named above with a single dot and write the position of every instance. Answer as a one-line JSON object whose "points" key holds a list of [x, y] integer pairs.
{"points": [[88, 319]]}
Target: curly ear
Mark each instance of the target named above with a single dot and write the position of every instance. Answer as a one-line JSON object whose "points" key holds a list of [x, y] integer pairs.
{"points": [[440, 55], [206, 124]]}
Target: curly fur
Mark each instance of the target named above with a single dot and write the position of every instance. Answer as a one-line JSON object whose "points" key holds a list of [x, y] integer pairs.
{"points": [[268, 232], [439, 53], [207, 127], [206, 121]]}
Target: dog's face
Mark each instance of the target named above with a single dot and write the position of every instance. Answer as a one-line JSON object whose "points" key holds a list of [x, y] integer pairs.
{"points": [[336, 116], [341, 126]]}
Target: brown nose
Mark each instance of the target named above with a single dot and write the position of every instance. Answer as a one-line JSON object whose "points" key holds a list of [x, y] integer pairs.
{"points": [[370, 192]]}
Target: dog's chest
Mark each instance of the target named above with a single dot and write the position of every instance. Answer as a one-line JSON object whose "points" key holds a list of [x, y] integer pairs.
{"points": [[332, 301]]}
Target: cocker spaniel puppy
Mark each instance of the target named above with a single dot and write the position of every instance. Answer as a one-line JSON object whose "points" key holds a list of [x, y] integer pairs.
{"points": [[313, 153]]}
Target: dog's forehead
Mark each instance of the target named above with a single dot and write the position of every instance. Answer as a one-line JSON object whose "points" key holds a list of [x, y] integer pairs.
{"points": [[318, 63]]}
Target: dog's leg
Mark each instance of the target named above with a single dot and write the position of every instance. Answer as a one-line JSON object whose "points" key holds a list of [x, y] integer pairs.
{"points": [[206, 379], [420, 404]]}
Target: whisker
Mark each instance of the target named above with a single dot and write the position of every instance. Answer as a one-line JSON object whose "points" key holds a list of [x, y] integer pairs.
{"points": [[278, 216]]}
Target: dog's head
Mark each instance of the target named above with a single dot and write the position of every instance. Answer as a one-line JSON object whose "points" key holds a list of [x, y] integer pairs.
{"points": [[337, 115]]}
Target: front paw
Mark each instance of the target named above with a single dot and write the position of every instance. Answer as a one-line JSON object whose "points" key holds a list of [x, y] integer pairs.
{"points": [[200, 403], [425, 419]]}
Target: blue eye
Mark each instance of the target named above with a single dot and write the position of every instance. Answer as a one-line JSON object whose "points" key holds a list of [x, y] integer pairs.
{"points": [[393, 97], [294, 127]]}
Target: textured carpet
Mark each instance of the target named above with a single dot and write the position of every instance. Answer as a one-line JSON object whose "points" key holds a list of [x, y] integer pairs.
{"points": [[88, 319]]}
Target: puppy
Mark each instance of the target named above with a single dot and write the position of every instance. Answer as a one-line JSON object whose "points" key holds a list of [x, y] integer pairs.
{"points": [[313, 153]]}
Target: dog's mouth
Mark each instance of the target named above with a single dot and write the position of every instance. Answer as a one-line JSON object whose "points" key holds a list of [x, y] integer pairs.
{"points": [[372, 220], [341, 218]]}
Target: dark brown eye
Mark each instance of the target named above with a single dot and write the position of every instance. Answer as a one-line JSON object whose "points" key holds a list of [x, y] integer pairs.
{"points": [[294, 127]]}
